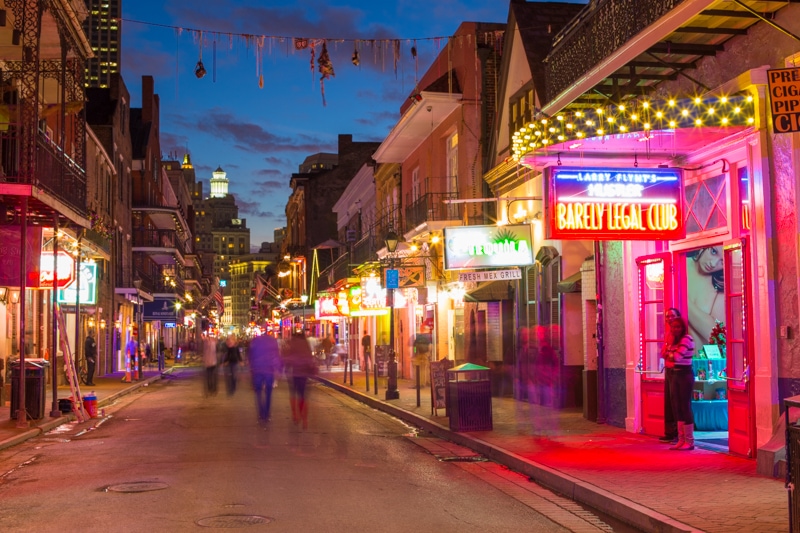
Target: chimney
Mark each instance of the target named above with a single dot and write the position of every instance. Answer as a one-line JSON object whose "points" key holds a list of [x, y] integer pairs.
{"points": [[147, 98]]}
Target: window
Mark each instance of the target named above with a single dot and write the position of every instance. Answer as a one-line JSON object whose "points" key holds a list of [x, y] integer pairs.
{"points": [[706, 204]]}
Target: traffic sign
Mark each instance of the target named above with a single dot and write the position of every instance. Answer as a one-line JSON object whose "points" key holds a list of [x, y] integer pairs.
{"points": [[64, 270]]}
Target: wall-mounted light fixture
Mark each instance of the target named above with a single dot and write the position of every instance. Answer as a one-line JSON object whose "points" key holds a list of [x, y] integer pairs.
{"points": [[14, 297], [102, 323], [3, 295]]}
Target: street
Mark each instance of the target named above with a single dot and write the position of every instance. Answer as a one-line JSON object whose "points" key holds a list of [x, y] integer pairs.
{"points": [[169, 459]]}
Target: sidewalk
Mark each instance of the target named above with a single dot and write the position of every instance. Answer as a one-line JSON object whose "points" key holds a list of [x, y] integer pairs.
{"points": [[628, 476], [107, 388]]}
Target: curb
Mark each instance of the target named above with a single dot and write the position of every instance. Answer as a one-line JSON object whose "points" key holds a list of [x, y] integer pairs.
{"points": [[45, 425], [575, 489]]}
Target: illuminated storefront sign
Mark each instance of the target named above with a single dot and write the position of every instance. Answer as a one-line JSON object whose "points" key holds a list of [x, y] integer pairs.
{"points": [[332, 306], [487, 246], [615, 203], [369, 299], [88, 287], [64, 270]]}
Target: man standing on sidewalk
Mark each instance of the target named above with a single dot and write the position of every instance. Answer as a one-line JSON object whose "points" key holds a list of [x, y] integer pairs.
{"points": [[90, 353]]}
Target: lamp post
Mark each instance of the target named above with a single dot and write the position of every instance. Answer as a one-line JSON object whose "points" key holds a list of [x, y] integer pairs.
{"points": [[304, 299], [391, 246], [137, 362]]}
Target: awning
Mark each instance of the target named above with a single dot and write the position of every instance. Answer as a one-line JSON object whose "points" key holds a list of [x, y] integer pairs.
{"points": [[570, 284], [491, 291]]}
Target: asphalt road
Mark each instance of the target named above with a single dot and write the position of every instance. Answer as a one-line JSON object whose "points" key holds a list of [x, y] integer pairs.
{"points": [[167, 458]]}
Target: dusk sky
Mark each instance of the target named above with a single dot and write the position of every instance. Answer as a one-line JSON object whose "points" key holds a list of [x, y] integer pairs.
{"points": [[259, 136]]}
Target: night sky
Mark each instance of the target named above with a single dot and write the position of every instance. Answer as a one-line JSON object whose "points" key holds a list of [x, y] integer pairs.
{"points": [[259, 135]]}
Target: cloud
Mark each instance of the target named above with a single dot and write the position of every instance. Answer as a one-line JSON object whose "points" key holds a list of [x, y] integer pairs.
{"points": [[271, 186], [254, 208], [269, 172], [252, 137]]}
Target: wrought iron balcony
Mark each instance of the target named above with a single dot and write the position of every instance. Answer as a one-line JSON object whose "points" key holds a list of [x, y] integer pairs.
{"points": [[431, 208], [158, 241], [339, 270], [596, 33], [56, 173]]}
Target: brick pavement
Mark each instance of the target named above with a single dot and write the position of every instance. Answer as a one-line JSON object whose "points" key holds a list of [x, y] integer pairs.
{"points": [[631, 477]]}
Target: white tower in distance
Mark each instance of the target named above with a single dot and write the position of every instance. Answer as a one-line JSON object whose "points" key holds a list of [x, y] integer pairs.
{"points": [[219, 184]]}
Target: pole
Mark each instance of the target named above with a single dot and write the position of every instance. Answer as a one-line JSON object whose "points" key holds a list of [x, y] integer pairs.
{"points": [[22, 412], [54, 410], [391, 386]]}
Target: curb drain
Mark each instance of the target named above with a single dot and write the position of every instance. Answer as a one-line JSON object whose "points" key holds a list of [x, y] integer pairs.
{"points": [[137, 486], [233, 521], [463, 459]]}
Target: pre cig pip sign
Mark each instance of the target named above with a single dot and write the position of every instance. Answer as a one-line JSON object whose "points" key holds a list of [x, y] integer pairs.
{"points": [[784, 92]]}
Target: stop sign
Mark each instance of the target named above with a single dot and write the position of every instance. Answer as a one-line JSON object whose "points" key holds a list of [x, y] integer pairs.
{"points": [[63, 272]]}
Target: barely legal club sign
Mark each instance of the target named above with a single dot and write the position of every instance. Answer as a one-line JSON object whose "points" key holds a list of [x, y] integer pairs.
{"points": [[615, 203]]}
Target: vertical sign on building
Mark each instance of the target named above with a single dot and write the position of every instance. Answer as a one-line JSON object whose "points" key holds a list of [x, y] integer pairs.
{"points": [[784, 92]]}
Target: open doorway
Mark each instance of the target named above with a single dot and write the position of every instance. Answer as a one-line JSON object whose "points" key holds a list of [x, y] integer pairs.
{"points": [[702, 291]]}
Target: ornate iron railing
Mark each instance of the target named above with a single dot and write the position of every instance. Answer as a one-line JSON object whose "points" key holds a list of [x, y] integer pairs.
{"points": [[601, 29], [431, 207]]}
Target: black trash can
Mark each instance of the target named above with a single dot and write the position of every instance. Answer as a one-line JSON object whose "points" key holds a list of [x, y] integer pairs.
{"points": [[793, 464], [469, 398], [35, 379]]}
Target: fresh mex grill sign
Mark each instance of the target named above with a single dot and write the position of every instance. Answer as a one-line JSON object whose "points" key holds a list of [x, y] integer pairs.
{"points": [[615, 203]]}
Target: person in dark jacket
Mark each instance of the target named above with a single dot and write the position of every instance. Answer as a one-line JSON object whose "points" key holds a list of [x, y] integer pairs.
{"points": [[233, 357], [265, 362], [90, 353]]}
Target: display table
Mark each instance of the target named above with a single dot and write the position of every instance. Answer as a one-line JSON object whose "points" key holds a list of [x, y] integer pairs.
{"points": [[710, 415]]}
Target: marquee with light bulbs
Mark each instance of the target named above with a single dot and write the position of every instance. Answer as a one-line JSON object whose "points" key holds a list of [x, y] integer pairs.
{"points": [[641, 117]]}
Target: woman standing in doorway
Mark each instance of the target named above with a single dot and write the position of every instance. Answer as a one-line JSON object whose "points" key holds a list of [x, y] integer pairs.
{"points": [[680, 353], [670, 426], [705, 289]]}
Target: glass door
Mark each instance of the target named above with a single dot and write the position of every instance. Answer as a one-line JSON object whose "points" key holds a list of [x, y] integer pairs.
{"points": [[741, 432], [655, 296]]}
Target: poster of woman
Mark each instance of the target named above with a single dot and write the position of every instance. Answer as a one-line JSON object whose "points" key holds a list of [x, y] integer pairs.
{"points": [[705, 289]]}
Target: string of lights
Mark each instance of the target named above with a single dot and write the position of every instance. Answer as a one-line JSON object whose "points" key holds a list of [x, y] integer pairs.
{"points": [[639, 118]]}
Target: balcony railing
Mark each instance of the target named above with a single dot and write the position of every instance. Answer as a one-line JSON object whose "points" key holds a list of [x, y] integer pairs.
{"points": [[366, 249], [594, 35], [340, 269], [158, 238], [430, 208], [56, 172]]}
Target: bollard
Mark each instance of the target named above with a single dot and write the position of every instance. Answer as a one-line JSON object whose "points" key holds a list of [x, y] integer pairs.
{"points": [[417, 387], [351, 372], [366, 369], [375, 378], [345, 372]]}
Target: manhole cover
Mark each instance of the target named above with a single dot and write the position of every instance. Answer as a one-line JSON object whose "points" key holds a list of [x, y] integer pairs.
{"points": [[233, 520], [137, 486]]}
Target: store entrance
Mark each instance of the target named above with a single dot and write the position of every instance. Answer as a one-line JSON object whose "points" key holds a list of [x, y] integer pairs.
{"points": [[703, 302]]}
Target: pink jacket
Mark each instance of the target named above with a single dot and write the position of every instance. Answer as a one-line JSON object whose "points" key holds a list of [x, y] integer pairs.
{"points": [[681, 353]]}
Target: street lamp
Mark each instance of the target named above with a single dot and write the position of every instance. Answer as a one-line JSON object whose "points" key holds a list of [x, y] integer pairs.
{"points": [[304, 299], [392, 241]]}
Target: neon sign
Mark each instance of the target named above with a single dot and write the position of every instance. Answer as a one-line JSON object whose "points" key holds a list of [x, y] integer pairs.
{"points": [[615, 203], [487, 246]]}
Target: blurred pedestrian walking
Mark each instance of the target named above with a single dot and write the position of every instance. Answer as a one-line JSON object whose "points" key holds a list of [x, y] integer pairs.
{"points": [[233, 357], [210, 361], [265, 362], [300, 364]]}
